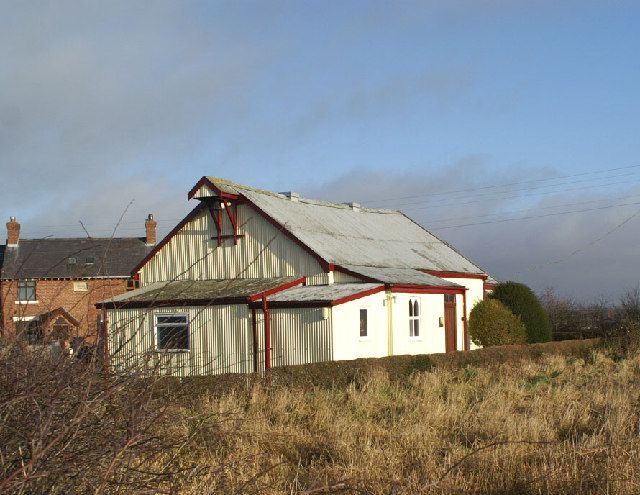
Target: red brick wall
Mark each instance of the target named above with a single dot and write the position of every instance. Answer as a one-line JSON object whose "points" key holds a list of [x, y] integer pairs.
{"points": [[53, 294]]}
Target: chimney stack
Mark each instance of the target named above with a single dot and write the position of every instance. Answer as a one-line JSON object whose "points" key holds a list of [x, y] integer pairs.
{"points": [[150, 224], [13, 232]]}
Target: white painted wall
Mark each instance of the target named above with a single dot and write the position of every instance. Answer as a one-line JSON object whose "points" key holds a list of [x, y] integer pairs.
{"points": [[432, 336], [347, 343]]}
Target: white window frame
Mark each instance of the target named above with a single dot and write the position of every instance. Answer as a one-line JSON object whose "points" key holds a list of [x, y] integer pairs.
{"points": [[35, 291], [414, 320], [367, 336], [155, 331]]}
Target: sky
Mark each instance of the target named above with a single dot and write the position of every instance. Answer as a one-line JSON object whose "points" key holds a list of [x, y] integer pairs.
{"points": [[507, 128]]}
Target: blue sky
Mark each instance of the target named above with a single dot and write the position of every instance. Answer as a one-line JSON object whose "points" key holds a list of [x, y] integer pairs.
{"points": [[117, 106]]}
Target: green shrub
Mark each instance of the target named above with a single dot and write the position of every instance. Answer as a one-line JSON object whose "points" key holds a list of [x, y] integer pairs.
{"points": [[492, 323], [523, 303]]}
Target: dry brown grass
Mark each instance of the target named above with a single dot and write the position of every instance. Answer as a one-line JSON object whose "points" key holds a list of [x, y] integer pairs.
{"points": [[560, 425], [545, 424]]}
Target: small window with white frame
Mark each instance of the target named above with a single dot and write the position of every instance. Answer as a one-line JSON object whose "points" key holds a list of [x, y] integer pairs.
{"points": [[364, 324], [27, 291], [172, 332], [414, 317]]}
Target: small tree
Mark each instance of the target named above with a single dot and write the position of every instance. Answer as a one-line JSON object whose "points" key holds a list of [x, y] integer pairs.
{"points": [[522, 302], [492, 323]]}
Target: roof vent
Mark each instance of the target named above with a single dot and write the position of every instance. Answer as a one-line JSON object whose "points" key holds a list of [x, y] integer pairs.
{"points": [[293, 196], [353, 206]]}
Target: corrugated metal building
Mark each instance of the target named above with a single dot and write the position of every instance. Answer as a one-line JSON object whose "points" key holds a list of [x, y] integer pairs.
{"points": [[251, 279]]}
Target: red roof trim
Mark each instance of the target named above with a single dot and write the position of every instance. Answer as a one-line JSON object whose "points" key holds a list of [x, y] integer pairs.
{"points": [[166, 239], [275, 290], [358, 295], [323, 304], [204, 181], [439, 273], [326, 266], [427, 289]]}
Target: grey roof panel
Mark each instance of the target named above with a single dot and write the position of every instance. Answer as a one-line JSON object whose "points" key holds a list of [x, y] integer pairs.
{"points": [[201, 290], [344, 236], [54, 258], [321, 293], [399, 276]]}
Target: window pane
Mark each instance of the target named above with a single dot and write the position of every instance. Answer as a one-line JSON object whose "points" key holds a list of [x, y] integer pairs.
{"points": [[173, 337], [27, 290], [363, 323], [410, 307], [171, 319], [416, 308], [416, 328]]}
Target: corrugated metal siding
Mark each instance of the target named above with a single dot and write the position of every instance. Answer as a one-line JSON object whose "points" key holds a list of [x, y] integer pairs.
{"points": [[344, 278], [221, 341], [318, 279], [204, 192], [300, 336], [264, 251]]}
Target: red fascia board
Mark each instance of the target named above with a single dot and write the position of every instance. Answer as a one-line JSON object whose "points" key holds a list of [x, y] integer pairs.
{"points": [[427, 289], [204, 181], [358, 295], [275, 290], [166, 303], [166, 239], [323, 263], [440, 273], [322, 304]]}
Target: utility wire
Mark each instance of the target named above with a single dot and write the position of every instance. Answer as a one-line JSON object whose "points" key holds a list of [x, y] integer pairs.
{"points": [[493, 186]]}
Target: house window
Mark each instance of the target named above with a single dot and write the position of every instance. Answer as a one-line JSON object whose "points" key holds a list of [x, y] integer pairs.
{"points": [[363, 323], [414, 318], [172, 332], [29, 331], [26, 290]]}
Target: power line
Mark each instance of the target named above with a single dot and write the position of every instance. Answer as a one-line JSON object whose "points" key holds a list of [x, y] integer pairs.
{"points": [[493, 186], [532, 217]]}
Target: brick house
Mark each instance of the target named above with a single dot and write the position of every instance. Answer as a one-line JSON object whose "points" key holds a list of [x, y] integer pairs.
{"points": [[49, 287]]}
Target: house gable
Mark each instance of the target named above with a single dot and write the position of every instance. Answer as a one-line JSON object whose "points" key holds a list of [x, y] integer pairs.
{"points": [[200, 250]]}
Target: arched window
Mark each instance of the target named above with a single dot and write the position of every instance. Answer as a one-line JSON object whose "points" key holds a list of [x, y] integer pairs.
{"points": [[414, 318]]}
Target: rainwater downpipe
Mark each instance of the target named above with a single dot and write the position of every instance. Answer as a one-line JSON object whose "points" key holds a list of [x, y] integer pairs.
{"points": [[255, 340], [267, 334]]}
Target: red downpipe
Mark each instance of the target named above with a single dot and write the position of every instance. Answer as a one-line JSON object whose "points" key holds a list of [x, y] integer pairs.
{"points": [[255, 340], [466, 321], [267, 334]]}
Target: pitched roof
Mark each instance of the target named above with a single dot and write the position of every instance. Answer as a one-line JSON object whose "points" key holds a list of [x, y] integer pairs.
{"points": [[197, 292], [322, 294], [343, 235], [399, 276], [72, 258]]}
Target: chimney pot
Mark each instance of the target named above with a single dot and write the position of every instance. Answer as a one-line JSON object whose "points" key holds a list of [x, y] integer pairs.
{"points": [[13, 232], [151, 228]]}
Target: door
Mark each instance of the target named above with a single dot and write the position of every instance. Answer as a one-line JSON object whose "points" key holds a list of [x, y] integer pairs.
{"points": [[450, 322]]}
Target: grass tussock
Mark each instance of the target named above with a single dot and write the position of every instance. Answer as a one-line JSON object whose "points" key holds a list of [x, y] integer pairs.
{"points": [[560, 425], [554, 424]]}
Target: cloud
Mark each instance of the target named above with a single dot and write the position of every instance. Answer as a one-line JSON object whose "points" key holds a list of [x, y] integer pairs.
{"points": [[97, 94], [587, 253]]}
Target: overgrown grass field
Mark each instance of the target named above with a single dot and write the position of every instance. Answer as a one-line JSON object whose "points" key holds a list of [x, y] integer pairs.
{"points": [[544, 424]]}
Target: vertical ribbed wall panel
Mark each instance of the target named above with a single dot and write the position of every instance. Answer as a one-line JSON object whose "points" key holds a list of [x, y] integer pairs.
{"points": [[263, 252], [344, 278], [300, 336], [221, 341]]}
